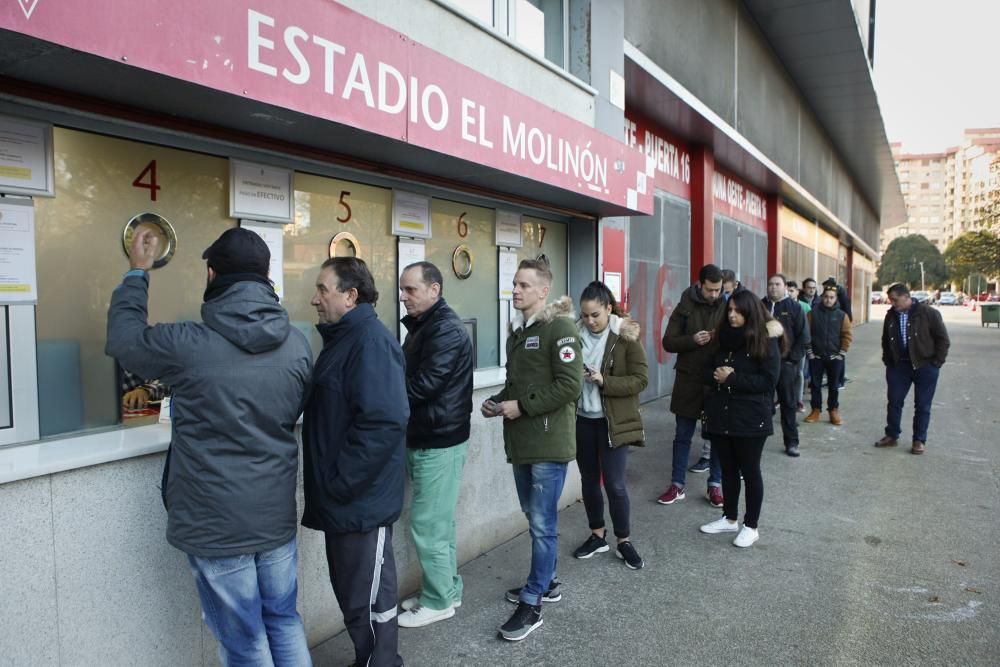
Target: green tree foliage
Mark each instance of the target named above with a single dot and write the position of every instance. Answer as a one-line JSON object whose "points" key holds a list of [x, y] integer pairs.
{"points": [[972, 253], [901, 263]]}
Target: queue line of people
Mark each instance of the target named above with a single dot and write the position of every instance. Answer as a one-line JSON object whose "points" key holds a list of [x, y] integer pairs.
{"points": [[375, 412]]}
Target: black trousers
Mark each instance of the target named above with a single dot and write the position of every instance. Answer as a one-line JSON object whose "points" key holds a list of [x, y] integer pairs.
{"points": [[596, 457], [363, 575], [740, 455], [788, 402]]}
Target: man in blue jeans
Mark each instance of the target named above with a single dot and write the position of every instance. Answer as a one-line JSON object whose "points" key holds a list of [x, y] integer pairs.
{"points": [[538, 406], [689, 332], [230, 475], [914, 347]]}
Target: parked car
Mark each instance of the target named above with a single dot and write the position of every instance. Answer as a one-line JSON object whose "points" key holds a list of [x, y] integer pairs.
{"points": [[876, 297], [920, 295], [948, 299]]}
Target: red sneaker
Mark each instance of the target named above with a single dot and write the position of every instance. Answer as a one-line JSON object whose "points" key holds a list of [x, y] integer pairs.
{"points": [[671, 495], [715, 496]]}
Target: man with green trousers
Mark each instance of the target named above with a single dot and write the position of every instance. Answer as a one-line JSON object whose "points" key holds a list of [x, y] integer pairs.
{"points": [[439, 363], [538, 406]]}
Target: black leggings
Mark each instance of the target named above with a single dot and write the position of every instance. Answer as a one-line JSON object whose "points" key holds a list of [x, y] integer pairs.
{"points": [[740, 455], [595, 457]]}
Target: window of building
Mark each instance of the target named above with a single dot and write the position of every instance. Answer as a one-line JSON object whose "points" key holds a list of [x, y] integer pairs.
{"points": [[481, 10], [539, 26], [102, 182]]}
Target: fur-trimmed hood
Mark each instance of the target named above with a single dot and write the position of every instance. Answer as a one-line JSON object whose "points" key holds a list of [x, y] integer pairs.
{"points": [[624, 327], [774, 329], [561, 307]]}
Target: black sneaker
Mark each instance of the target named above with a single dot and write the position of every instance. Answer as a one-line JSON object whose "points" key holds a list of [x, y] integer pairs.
{"points": [[554, 594], [593, 545], [701, 466], [628, 554], [524, 619]]}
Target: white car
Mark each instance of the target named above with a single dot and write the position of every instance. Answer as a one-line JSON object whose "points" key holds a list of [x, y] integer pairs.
{"points": [[948, 299], [920, 296]]}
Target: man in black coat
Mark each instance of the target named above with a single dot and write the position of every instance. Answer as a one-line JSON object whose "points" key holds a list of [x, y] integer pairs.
{"points": [[439, 364], [915, 346], [788, 311], [354, 444]]}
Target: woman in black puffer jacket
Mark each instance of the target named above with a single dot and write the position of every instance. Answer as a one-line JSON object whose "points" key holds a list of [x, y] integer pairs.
{"points": [[741, 378]]}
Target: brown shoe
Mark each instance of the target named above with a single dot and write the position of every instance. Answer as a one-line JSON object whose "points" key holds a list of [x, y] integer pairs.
{"points": [[835, 417], [813, 416], [917, 448], [886, 441]]}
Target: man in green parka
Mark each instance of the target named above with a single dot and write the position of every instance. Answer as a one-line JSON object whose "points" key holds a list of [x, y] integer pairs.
{"points": [[538, 406]]}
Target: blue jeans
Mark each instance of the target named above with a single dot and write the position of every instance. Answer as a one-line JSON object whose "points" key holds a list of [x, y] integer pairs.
{"points": [[898, 378], [683, 433], [539, 486], [249, 605]]}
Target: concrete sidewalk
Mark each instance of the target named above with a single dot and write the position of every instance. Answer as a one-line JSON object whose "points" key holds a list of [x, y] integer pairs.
{"points": [[865, 557]]}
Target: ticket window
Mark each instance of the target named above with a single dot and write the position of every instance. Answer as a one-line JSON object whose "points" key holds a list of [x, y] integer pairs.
{"points": [[359, 218], [463, 248], [101, 183], [545, 237]]}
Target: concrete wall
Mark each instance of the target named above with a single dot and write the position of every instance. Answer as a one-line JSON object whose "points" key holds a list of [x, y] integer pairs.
{"points": [[716, 51], [89, 579]]}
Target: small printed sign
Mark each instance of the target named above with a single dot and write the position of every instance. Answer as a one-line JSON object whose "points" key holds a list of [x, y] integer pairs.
{"points": [[411, 214], [509, 229], [26, 158], [260, 192]]}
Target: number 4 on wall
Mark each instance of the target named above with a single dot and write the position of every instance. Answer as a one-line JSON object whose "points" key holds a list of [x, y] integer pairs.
{"points": [[150, 171]]}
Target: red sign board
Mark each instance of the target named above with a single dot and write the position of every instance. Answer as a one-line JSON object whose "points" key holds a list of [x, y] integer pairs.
{"points": [[323, 59], [737, 200], [668, 159]]}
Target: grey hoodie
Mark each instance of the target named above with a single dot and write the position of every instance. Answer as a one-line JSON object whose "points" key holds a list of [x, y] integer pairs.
{"points": [[239, 383]]}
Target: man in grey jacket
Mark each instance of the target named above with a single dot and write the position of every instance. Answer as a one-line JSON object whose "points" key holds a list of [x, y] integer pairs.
{"points": [[239, 382]]}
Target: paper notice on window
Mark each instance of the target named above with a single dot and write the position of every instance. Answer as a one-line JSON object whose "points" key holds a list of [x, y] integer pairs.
{"points": [[18, 281], [410, 251], [273, 235], [507, 269]]}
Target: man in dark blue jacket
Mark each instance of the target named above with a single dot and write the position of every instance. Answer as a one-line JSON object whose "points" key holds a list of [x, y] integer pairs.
{"points": [[788, 311], [239, 380], [354, 443], [439, 363]]}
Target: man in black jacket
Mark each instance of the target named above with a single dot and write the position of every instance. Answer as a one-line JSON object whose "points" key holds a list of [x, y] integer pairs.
{"points": [[788, 311], [914, 348], [354, 443], [439, 363]]}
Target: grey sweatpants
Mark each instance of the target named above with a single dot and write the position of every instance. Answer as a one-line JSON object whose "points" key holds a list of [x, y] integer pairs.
{"points": [[363, 575]]}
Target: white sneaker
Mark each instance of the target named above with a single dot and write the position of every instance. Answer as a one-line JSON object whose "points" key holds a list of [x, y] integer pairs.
{"points": [[420, 616], [410, 603], [720, 525], [746, 537]]}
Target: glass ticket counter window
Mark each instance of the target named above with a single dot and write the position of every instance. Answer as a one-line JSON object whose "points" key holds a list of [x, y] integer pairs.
{"points": [[102, 183]]}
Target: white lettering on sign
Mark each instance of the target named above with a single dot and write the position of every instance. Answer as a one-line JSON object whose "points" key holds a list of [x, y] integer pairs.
{"points": [[384, 88], [563, 157], [667, 157], [733, 193]]}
